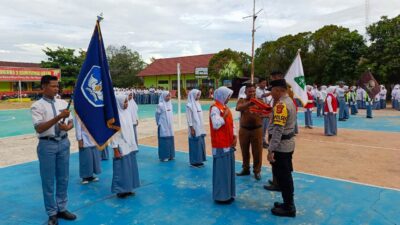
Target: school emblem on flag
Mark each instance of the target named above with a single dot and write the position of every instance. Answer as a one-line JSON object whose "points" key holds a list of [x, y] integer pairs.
{"points": [[92, 87], [300, 81]]}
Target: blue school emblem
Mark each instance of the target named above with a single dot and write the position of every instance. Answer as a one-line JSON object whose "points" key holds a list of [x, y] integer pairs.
{"points": [[92, 87]]}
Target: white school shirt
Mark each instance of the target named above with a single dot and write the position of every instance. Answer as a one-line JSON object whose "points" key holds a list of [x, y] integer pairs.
{"points": [[260, 92], [81, 134], [42, 111], [118, 142], [382, 94], [198, 125], [165, 120], [340, 92], [360, 95]]}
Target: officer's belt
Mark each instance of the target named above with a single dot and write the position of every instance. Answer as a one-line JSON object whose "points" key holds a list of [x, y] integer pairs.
{"points": [[54, 138], [284, 136], [251, 128]]}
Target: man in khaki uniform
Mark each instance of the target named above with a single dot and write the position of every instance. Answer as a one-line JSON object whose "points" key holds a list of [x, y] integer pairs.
{"points": [[250, 134]]}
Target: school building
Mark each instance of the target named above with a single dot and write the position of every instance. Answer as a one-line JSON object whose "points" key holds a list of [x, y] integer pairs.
{"points": [[15, 76], [163, 72]]}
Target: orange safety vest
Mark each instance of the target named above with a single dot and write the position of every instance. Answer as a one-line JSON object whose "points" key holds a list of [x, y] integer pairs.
{"points": [[223, 137]]}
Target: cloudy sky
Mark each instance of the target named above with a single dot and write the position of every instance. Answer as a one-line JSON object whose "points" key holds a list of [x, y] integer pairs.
{"points": [[168, 28]]}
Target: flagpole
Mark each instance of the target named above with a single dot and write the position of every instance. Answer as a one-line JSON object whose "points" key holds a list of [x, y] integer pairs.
{"points": [[179, 94]]}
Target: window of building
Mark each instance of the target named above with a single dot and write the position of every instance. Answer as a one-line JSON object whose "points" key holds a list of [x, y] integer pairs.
{"points": [[175, 85], [190, 84], [162, 82], [24, 86]]}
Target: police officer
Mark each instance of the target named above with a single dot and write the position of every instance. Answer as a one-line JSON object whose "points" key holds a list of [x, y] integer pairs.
{"points": [[281, 147], [52, 121]]}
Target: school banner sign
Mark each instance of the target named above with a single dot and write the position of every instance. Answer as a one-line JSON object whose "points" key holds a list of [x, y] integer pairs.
{"points": [[26, 74]]}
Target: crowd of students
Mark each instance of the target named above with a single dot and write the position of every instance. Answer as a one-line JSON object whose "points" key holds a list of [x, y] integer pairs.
{"points": [[280, 125]]}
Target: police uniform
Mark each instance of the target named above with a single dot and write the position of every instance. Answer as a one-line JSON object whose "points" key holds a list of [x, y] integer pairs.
{"points": [[282, 144], [53, 153]]}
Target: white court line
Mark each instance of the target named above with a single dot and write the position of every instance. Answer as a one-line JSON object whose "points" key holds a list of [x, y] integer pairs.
{"points": [[311, 174], [344, 143], [20, 135]]}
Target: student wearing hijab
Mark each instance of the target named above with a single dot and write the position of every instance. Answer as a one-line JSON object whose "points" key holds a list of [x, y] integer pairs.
{"points": [[125, 168], [330, 111], [165, 120], [195, 120], [309, 108], [89, 155], [133, 109], [223, 141]]}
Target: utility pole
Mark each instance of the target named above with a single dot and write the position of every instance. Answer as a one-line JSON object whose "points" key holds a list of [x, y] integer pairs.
{"points": [[253, 31]]}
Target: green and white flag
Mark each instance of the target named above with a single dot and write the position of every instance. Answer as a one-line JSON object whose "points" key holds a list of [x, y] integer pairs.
{"points": [[295, 77]]}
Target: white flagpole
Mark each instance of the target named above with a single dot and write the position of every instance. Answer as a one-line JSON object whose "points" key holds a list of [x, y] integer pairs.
{"points": [[179, 94], [19, 91]]}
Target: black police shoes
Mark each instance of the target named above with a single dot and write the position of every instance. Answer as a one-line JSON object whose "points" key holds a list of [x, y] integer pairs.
{"points": [[66, 215]]}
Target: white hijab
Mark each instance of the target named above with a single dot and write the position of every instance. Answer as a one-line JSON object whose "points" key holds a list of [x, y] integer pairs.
{"points": [[133, 108], [162, 103], [242, 93], [193, 104], [222, 94], [197, 112], [125, 120], [331, 89], [165, 116]]}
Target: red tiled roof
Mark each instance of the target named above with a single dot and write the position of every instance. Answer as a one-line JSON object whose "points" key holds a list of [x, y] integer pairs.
{"points": [[167, 66], [19, 64]]}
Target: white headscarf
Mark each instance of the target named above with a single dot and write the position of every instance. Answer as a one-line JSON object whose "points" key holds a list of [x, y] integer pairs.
{"points": [[197, 112], [133, 108], [331, 89], [125, 120], [222, 94], [242, 92], [165, 116], [192, 103], [161, 101]]}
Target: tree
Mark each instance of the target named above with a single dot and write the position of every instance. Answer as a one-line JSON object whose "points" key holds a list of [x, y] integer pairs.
{"points": [[330, 54], [383, 54], [66, 60], [226, 64], [279, 54], [125, 65]]}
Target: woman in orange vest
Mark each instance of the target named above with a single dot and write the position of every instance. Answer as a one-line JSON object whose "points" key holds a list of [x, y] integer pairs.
{"points": [[223, 141]]}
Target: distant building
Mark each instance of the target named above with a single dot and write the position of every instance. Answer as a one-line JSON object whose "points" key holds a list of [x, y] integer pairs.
{"points": [[28, 74], [163, 72]]}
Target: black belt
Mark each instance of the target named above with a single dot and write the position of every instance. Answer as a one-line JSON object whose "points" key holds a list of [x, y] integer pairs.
{"points": [[251, 128], [54, 138], [284, 136]]}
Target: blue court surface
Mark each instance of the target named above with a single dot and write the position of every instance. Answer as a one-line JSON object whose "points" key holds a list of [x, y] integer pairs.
{"points": [[359, 122], [174, 193]]}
